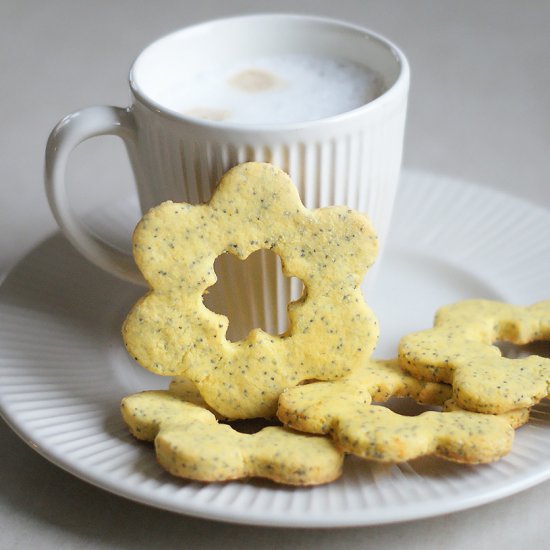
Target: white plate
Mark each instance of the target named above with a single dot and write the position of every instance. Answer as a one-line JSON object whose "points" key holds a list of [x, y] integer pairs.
{"points": [[63, 369]]}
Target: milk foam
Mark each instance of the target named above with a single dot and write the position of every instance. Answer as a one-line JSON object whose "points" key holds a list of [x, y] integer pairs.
{"points": [[276, 89]]}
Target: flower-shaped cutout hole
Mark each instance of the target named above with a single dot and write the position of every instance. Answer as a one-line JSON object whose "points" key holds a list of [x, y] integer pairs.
{"points": [[258, 296], [407, 406], [515, 351], [250, 425]]}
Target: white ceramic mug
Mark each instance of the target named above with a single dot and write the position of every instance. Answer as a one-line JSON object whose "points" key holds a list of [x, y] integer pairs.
{"points": [[351, 158]]}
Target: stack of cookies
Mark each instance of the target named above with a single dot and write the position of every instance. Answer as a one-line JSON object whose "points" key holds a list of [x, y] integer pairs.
{"points": [[317, 387]]}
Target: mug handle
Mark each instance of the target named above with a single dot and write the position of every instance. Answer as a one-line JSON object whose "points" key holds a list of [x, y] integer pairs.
{"points": [[69, 132]]}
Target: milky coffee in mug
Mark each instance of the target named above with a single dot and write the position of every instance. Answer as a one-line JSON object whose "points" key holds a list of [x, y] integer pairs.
{"points": [[277, 89]]}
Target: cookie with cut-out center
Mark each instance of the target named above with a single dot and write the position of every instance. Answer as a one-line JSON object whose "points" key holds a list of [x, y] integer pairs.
{"points": [[459, 350], [190, 443], [343, 410], [255, 206]]}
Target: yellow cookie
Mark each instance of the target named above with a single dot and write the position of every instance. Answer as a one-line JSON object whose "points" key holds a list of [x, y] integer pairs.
{"points": [[185, 389], [385, 378], [306, 407], [516, 417], [190, 443], [256, 206], [342, 409], [459, 350]]}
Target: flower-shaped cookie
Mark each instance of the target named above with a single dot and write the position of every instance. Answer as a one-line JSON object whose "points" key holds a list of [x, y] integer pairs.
{"points": [[343, 410], [190, 443], [459, 350], [255, 206]]}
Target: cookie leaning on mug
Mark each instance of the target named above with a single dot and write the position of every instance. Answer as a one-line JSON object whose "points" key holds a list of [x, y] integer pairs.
{"points": [[255, 206]]}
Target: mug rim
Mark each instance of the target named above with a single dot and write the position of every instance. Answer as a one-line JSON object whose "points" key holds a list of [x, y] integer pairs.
{"points": [[399, 86]]}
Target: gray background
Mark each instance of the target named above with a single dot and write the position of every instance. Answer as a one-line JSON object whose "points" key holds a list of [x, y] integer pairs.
{"points": [[479, 110]]}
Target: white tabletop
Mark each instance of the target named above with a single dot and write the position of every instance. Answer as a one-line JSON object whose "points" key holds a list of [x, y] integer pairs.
{"points": [[479, 110]]}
